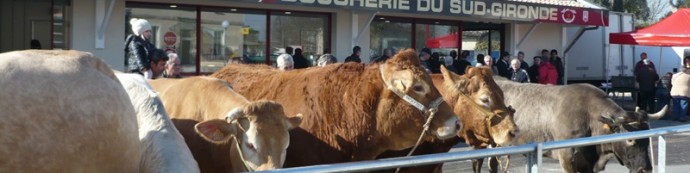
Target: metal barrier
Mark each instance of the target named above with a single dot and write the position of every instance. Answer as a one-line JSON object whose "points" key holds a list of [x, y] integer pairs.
{"points": [[534, 151]]}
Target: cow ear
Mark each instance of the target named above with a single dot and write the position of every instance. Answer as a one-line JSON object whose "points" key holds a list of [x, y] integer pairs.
{"points": [[215, 131], [293, 122], [395, 78], [448, 75]]}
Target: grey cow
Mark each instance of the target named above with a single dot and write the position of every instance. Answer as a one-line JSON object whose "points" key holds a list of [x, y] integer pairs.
{"points": [[552, 113]]}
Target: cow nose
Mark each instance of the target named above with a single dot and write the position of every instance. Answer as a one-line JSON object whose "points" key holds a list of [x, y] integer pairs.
{"points": [[514, 132], [643, 170], [458, 125]]}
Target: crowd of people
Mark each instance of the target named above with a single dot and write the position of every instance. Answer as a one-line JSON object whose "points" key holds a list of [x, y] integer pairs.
{"points": [[545, 69], [142, 57]]}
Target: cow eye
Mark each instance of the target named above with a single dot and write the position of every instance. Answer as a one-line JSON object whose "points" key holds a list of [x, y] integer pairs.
{"points": [[418, 88], [250, 146], [630, 142]]}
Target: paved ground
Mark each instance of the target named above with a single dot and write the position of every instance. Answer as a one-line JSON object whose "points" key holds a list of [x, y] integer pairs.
{"points": [[677, 154]]}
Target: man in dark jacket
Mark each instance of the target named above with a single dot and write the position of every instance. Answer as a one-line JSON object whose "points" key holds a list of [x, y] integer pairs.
{"points": [[558, 62], [502, 65], [355, 55], [518, 74], [461, 62], [646, 76], [534, 70], [300, 60]]}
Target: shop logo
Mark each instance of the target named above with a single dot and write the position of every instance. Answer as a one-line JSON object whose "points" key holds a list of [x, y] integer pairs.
{"points": [[568, 15]]}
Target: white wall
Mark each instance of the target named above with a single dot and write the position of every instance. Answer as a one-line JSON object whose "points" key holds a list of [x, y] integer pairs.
{"points": [[545, 36], [84, 30]]}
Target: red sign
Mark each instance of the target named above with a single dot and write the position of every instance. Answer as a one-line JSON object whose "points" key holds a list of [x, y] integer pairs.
{"points": [[170, 38], [578, 16]]}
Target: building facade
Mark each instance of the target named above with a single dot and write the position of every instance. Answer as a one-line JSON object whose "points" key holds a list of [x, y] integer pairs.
{"points": [[206, 33]]}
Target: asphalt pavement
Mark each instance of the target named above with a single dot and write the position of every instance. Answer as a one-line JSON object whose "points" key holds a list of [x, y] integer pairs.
{"points": [[677, 156]]}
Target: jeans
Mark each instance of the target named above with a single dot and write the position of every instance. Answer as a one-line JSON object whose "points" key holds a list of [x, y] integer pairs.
{"points": [[680, 107], [646, 100]]}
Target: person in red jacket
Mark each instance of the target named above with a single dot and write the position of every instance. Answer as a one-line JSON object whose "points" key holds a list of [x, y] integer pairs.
{"points": [[547, 73]]}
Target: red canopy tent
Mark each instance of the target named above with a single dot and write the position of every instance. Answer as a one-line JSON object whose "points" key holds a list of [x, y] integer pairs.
{"points": [[672, 31], [446, 41]]}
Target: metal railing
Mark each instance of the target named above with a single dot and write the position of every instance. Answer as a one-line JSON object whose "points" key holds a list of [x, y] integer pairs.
{"points": [[534, 153]]}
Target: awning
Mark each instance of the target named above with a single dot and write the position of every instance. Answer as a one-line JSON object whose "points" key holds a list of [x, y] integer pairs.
{"points": [[672, 31]]}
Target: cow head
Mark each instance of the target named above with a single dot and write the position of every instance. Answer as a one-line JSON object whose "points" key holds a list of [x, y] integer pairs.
{"points": [[261, 129], [479, 96], [403, 76], [634, 154]]}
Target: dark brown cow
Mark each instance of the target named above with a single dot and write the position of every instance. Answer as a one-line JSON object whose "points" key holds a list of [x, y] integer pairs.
{"points": [[479, 103], [351, 111]]}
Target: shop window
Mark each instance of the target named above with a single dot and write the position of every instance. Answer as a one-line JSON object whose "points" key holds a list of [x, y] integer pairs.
{"points": [[228, 33], [307, 31], [389, 33], [174, 29], [440, 38], [61, 16]]}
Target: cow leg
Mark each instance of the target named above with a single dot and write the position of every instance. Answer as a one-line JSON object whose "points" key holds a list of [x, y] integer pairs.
{"points": [[493, 164], [477, 165], [565, 159]]}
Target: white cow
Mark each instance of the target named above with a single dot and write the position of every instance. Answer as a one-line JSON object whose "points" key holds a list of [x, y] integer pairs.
{"points": [[64, 112], [163, 147]]}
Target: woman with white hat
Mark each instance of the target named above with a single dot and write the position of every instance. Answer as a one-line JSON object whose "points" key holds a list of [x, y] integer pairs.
{"points": [[138, 49]]}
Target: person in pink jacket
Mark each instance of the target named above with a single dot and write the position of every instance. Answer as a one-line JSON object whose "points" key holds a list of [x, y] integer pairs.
{"points": [[547, 73]]}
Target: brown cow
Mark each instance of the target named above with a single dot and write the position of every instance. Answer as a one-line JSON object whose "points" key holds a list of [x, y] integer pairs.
{"points": [[479, 103], [351, 111], [204, 107]]}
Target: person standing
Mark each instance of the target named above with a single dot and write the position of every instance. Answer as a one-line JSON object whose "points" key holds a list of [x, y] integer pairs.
{"points": [[461, 62], [480, 60], [646, 76], [503, 65], [557, 62], [521, 57], [300, 60], [518, 74], [138, 49], [663, 92], [680, 91], [285, 63], [355, 55], [173, 67], [548, 75], [534, 70], [489, 62], [158, 61], [387, 53], [424, 57]]}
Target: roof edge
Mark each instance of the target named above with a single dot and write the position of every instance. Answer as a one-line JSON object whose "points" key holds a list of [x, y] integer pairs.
{"points": [[591, 5]]}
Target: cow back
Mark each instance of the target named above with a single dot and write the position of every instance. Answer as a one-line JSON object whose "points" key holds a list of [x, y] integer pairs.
{"points": [[64, 111]]}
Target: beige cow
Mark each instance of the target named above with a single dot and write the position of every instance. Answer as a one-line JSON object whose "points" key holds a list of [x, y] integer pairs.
{"points": [[209, 113], [64, 111], [163, 147]]}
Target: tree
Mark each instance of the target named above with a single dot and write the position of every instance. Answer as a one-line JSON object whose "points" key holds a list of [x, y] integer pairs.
{"points": [[680, 3]]}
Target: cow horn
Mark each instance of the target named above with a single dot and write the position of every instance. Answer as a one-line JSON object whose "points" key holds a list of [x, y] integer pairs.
{"points": [[234, 114], [656, 116], [637, 109]]}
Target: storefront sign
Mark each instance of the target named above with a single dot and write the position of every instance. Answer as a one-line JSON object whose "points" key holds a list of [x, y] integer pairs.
{"points": [[491, 9]]}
